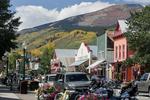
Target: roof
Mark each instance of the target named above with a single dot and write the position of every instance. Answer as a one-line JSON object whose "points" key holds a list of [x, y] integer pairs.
{"points": [[123, 25], [95, 64], [77, 63], [65, 52], [72, 52]]}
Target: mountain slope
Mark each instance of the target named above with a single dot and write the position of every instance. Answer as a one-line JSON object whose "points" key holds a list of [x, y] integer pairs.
{"points": [[96, 21]]}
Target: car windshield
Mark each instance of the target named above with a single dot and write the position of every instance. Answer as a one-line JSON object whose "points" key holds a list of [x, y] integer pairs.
{"points": [[76, 77]]}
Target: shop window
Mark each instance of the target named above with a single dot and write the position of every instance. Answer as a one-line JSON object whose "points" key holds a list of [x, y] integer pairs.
{"points": [[123, 51], [119, 52], [116, 53]]}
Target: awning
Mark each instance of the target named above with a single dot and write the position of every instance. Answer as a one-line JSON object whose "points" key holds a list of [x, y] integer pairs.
{"points": [[77, 63], [95, 64]]}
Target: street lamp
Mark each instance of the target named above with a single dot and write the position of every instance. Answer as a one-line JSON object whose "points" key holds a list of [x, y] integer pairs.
{"points": [[5, 58], [24, 58]]}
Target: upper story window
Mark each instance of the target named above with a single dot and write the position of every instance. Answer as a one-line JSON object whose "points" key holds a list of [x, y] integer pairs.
{"points": [[119, 51], [123, 51], [116, 53]]}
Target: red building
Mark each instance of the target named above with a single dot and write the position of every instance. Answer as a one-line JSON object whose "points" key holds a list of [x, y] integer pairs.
{"points": [[121, 53]]}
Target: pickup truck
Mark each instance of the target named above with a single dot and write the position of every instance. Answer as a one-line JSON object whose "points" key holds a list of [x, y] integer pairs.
{"points": [[144, 83]]}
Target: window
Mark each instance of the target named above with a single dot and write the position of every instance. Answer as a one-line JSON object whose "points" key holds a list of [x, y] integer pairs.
{"points": [[123, 51], [119, 51], [116, 52], [76, 77]]}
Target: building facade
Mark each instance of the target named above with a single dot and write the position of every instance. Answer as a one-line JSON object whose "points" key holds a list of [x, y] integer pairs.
{"points": [[121, 53], [103, 65]]}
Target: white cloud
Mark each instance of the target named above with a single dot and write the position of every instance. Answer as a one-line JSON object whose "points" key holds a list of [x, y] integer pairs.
{"points": [[36, 15], [144, 2]]}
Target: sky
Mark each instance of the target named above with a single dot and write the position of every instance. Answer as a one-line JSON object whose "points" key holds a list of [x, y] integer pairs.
{"points": [[38, 12]]}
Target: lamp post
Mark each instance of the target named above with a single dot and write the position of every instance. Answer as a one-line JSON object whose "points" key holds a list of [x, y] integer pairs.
{"points": [[6, 59], [24, 58]]}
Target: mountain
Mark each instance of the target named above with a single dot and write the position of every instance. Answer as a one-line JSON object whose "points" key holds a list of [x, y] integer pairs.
{"points": [[96, 21]]}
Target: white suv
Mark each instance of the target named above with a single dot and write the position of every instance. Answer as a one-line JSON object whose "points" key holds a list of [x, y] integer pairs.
{"points": [[144, 83]]}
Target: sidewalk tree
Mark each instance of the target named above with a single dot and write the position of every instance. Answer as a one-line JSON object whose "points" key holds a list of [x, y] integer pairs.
{"points": [[8, 27], [138, 36], [46, 58]]}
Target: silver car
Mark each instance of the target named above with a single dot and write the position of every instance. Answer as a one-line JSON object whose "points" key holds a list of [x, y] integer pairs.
{"points": [[72, 80], [144, 83]]}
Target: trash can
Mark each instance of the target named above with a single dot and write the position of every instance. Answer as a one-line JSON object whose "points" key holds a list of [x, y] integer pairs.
{"points": [[34, 85], [23, 87]]}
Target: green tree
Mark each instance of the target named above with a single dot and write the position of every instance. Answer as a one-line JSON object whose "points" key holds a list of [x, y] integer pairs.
{"points": [[138, 36], [8, 27], [12, 60], [45, 60]]}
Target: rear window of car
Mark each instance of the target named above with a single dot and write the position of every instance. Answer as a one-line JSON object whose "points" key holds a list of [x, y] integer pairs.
{"points": [[76, 77]]}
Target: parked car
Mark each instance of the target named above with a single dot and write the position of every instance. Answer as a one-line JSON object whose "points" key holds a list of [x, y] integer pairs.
{"points": [[144, 83], [50, 78], [47, 80], [72, 81]]}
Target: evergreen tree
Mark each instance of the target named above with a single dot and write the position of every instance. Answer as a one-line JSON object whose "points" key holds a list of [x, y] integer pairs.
{"points": [[8, 27], [138, 36]]}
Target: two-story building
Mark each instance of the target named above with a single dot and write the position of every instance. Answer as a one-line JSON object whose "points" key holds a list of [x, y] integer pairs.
{"points": [[84, 57], [122, 52], [105, 50]]}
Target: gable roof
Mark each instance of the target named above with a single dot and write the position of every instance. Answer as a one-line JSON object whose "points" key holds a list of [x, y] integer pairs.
{"points": [[123, 25]]}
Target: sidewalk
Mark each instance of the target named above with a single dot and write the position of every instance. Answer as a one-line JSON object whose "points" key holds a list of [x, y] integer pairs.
{"points": [[6, 94]]}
